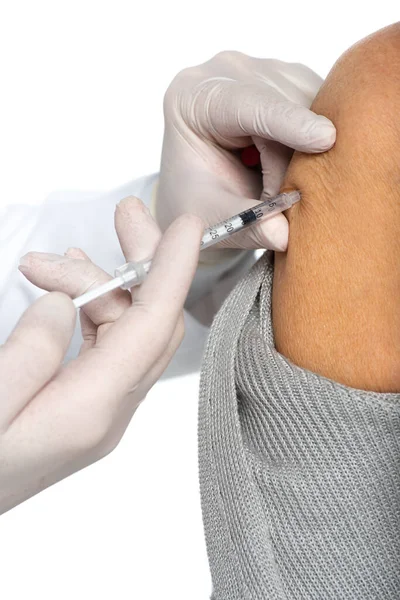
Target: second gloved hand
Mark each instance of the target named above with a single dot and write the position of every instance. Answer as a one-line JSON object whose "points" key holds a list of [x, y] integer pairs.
{"points": [[57, 418], [228, 103]]}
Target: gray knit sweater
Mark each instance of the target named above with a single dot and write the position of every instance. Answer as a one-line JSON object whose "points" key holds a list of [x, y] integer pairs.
{"points": [[300, 476]]}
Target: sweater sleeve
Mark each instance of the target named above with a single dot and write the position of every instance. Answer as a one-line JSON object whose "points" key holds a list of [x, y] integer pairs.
{"points": [[299, 474]]}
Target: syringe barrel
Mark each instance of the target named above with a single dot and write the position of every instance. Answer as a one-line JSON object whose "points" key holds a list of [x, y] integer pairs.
{"points": [[220, 231]]}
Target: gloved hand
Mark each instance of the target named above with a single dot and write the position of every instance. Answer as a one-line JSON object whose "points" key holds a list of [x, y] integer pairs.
{"points": [[55, 420], [231, 102]]}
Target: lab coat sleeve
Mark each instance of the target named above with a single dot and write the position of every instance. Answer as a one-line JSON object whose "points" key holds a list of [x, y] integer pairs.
{"points": [[86, 220]]}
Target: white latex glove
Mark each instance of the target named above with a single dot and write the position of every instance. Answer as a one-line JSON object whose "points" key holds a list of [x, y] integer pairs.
{"points": [[231, 102], [54, 419]]}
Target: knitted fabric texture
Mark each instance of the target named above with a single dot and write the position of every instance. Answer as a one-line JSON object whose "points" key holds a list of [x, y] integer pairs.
{"points": [[299, 475]]}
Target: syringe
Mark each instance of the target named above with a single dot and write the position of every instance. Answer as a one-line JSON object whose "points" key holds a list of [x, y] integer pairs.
{"points": [[133, 273]]}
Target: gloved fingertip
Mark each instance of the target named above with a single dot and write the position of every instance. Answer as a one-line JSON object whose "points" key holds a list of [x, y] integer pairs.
{"points": [[323, 136], [131, 203], [275, 234], [278, 245], [56, 307], [271, 189], [75, 253]]}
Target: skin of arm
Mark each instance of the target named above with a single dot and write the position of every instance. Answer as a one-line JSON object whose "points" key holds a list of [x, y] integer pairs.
{"points": [[337, 288]]}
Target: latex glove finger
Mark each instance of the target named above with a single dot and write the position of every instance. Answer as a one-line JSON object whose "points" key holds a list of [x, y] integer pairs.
{"points": [[75, 274], [34, 352], [230, 109], [275, 158], [89, 332], [137, 231]]}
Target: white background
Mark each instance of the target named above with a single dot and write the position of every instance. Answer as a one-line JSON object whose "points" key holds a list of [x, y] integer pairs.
{"points": [[81, 108]]}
